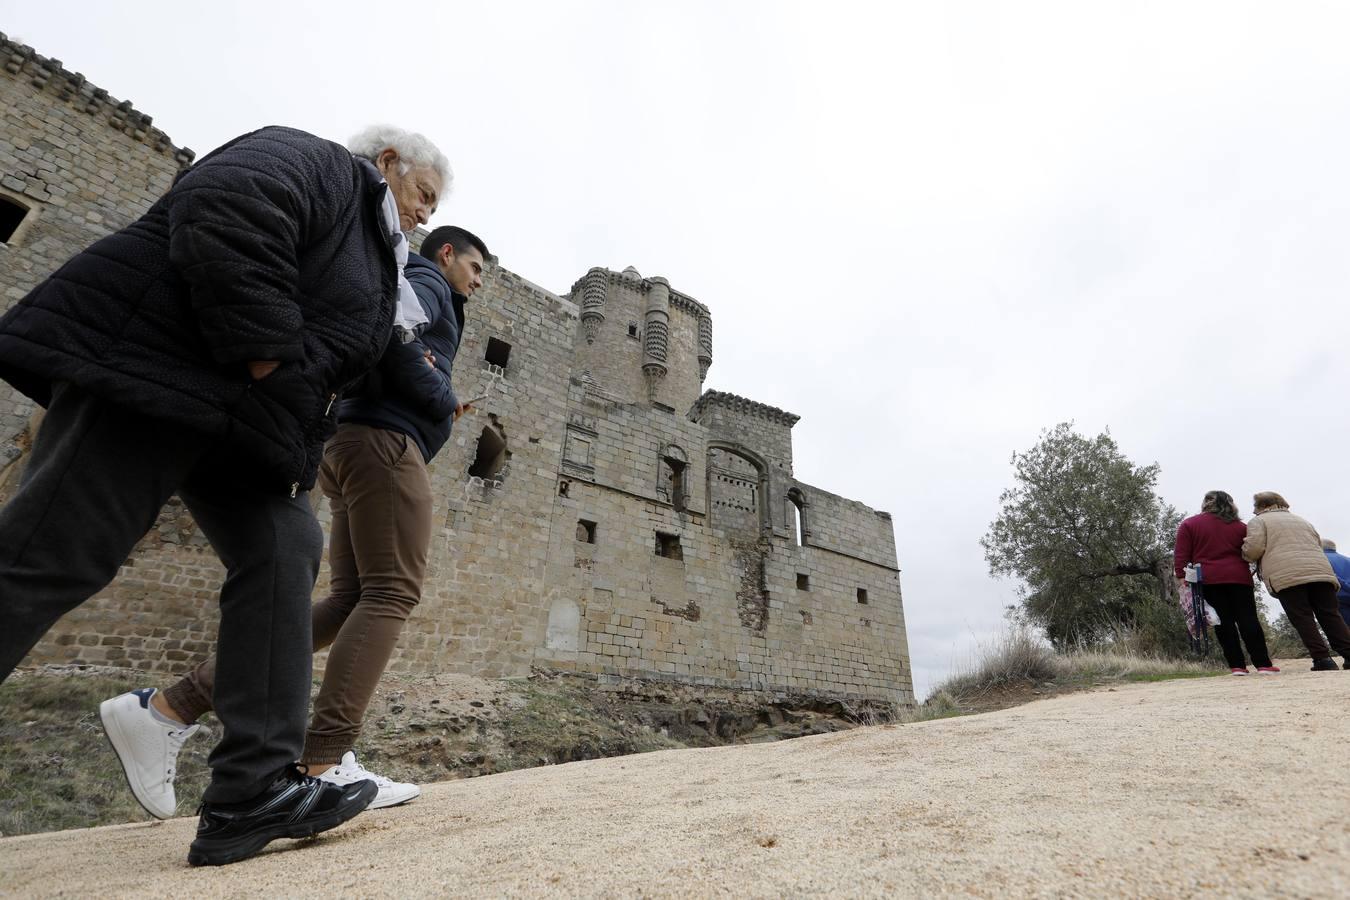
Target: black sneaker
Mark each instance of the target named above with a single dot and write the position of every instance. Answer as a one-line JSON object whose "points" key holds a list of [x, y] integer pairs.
{"points": [[1326, 664], [295, 806]]}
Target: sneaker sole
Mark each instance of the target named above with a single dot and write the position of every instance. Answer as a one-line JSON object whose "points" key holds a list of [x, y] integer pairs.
{"points": [[220, 853], [395, 799], [112, 733]]}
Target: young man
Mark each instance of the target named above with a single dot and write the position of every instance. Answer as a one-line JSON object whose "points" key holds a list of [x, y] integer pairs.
{"points": [[195, 352], [374, 473]]}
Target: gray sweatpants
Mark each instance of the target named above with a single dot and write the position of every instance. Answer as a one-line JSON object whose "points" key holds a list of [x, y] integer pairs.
{"points": [[97, 478], [380, 496]]}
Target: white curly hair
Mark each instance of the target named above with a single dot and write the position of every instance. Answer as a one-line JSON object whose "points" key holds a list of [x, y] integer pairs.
{"points": [[413, 149]]}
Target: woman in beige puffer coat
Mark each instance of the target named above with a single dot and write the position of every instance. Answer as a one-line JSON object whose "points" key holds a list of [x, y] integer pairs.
{"points": [[1289, 552]]}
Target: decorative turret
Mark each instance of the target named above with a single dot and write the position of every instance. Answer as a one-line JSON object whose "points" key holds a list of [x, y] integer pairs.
{"points": [[594, 288], [656, 347], [704, 345]]}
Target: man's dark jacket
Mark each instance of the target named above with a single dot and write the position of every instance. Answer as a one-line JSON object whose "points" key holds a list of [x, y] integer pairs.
{"points": [[269, 248], [404, 393]]}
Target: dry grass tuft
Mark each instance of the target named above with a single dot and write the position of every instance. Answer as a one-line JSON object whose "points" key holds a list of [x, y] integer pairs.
{"points": [[1021, 659]]}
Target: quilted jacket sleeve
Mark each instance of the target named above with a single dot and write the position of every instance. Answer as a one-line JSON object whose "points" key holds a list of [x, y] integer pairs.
{"points": [[236, 228], [1254, 544]]}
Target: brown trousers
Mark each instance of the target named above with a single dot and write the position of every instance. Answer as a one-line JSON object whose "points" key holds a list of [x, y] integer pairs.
{"points": [[380, 495], [1308, 604]]}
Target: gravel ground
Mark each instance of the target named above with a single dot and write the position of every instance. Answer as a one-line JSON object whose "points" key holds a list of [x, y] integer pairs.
{"points": [[1214, 786]]}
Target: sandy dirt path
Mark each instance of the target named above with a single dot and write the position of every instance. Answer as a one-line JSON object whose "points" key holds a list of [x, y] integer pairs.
{"points": [[1215, 786]]}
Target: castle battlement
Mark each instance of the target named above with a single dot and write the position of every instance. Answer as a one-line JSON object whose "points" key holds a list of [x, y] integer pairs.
{"points": [[742, 406], [72, 88]]}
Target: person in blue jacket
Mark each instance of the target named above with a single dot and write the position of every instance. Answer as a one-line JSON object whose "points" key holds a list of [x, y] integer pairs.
{"points": [[1340, 564], [374, 473]]}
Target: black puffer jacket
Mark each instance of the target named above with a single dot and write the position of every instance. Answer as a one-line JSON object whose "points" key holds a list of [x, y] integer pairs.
{"points": [[403, 393], [270, 248]]}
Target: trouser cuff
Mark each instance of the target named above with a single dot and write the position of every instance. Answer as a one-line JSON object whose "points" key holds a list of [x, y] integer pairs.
{"points": [[325, 749], [187, 701]]}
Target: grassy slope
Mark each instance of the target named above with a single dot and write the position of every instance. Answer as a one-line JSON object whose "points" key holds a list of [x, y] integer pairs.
{"points": [[1018, 667], [57, 770]]}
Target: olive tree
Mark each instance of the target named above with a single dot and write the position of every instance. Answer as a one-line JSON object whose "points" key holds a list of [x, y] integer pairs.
{"points": [[1085, 532]]}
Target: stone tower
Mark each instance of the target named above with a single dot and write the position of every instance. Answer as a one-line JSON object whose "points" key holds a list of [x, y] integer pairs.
{"points": [[643, 341]]}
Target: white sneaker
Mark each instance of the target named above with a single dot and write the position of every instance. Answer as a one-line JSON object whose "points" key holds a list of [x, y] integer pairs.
{"points": [[147, 748], [392, 793]]}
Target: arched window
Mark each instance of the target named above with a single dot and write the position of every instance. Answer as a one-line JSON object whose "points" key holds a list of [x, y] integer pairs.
{"points": [[674, 477], [737, 495], [797, 513]]}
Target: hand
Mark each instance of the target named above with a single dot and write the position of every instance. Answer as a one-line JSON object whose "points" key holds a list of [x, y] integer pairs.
{"points": [[261, 369], [459, 410], [431, 360]]}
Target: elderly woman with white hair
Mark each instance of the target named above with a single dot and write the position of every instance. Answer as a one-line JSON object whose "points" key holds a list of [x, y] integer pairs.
{"points": [[281, 254], [407, 176], [418, 175], [417, 172], [1289, 552], [360, 639]]}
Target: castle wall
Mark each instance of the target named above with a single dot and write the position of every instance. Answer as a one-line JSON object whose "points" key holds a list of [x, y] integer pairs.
{"points": [[729, 611], [484, 608], [84, 163], [715, 616], [848, 527], [87, 164]]}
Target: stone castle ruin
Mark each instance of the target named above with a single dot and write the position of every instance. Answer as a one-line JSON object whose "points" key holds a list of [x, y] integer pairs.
{"points": [[599, 514]]}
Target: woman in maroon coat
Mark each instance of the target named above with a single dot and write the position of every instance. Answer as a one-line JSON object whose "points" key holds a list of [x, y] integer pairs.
{"points": [[1213, 540]]}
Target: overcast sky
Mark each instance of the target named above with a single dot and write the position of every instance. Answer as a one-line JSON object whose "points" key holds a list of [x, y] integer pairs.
{"points": [[930, 229]]}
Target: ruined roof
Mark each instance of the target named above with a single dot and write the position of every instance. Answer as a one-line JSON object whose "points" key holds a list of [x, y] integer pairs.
{"points": [[744, 406], [50, 76]]}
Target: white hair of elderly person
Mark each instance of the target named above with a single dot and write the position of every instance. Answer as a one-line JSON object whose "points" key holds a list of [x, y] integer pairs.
{"points": [[413, 149], [418, 175]]}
